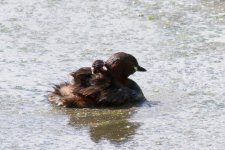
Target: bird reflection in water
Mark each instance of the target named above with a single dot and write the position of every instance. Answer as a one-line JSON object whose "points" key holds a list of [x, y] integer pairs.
{"points": [[113, 125]]}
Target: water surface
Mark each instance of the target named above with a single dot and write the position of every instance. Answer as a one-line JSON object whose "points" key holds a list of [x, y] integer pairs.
{"points": [[180, 43]]}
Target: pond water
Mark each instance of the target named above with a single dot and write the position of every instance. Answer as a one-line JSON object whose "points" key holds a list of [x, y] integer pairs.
{"points": [[180, 43]]}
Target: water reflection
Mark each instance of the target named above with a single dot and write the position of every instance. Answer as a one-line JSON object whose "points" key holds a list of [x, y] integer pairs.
{"points": [[113, 125]]}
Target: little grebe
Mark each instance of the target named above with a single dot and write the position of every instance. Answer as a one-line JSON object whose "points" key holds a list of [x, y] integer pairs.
{"points": [[103, 84]]}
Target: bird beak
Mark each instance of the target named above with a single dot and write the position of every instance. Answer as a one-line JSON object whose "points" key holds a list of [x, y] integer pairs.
{"points": [[139, 68], [104, 68], [72, 74], [92, 70]]}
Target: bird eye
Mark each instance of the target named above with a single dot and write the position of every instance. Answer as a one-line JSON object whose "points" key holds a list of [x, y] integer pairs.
{"points": [[135, 68]]}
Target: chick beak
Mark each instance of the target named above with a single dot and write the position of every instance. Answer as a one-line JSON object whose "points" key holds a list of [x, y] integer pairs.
{"points": [[92, 70], [104, 68]]}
